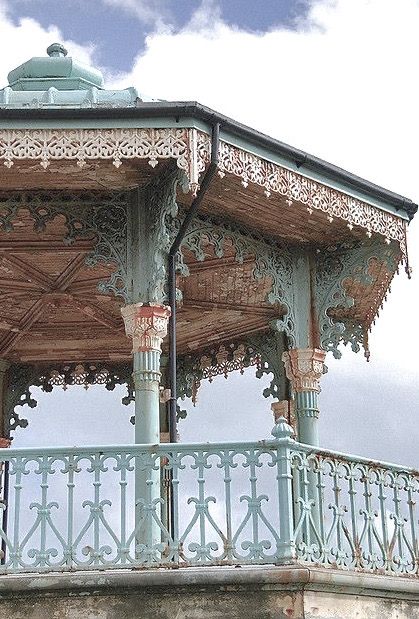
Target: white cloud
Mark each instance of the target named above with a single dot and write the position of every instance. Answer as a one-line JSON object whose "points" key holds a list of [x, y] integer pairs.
{"points": [[342, 86], [27, 38], [150, 12]]}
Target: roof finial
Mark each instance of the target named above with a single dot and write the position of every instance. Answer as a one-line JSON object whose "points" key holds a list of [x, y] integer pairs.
{"points": [[56, 49]]}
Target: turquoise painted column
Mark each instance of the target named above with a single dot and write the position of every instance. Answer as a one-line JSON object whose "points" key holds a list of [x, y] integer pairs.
{"points": [[304, 367], [147, 326]]}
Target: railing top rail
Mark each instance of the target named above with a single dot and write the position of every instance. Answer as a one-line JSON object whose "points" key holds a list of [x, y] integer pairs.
{"points": [[8, 453], [338, 455], [164, 448]]}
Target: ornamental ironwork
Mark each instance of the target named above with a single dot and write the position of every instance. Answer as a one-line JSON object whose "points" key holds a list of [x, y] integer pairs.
{"points": [[336, 267], [273, 260], [295, 187], [22, 377], [262, 351], [191, 151], [99, 216]]}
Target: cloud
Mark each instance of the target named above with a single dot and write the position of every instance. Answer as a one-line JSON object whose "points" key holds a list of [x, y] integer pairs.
{"points": [[150, 12], [27, 38]]}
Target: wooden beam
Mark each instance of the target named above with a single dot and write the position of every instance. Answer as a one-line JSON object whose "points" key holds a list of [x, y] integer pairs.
{"points": [[19, 246], [256, 310], [89, 309], [9, 285], [28, 270], [25, 324], [212, 264], [64, 280]]}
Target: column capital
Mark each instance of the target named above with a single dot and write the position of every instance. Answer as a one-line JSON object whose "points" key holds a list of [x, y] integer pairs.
{"points": [[146, 325], [304, 367]]}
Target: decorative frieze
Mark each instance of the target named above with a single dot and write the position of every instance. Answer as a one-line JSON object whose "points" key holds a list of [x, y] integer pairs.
{"points": [[295, 187], [304, 367], [262, 351], [191, 149], [23, 377], [116, 145], [146, 325]]}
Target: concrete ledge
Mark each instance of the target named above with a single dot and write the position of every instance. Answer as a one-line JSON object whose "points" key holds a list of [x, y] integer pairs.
{"points": [[266, 577]]}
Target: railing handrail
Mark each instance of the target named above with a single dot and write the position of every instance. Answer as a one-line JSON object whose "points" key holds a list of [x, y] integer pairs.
{"points": [[271, 443]]}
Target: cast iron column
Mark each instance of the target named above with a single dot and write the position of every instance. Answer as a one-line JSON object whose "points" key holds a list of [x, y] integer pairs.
{"points": [[304, 368], [147, 326]]}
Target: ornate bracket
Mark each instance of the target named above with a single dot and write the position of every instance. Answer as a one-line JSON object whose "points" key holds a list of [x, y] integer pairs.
{"points": [[335, 268], [262, 351], [272, 260], [23, 377], [96, 215]]}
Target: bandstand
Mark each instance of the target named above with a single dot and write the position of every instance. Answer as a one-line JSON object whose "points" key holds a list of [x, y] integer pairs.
{"points": [[156, 245]]}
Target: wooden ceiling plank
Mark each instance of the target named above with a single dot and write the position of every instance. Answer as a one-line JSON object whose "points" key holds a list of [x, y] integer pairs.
{"points": [[64, 280], [243, 309], [28, 270], [94, 312], [37, 309]]}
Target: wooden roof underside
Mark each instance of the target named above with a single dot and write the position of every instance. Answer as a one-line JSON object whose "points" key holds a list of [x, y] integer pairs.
{"points": [[50, 307]]}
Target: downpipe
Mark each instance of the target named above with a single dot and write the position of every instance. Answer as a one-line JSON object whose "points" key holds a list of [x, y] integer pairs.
{"points": [[209, 174]]}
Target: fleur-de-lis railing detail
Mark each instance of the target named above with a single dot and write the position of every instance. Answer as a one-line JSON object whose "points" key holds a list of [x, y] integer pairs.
{"points": [[231, 503]]}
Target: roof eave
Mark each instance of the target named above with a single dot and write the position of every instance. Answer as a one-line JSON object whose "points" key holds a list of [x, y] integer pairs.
{"points": [[182, 109]]}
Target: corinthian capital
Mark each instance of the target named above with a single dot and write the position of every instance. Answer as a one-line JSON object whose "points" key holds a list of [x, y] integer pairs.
{"points": [[304, 368], [146, 325]]}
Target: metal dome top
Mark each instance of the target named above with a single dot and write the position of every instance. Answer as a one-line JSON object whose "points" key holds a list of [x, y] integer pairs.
{"points": [[57, 70], [58, 80]]}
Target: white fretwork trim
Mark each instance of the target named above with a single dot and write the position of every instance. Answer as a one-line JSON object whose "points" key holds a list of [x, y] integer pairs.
{"points": [[274, 178], [82, 145], [191, 150]]}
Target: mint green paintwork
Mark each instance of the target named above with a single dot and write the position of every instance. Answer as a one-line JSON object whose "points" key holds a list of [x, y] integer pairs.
{"points": [[56, 71], [234, 503], [60, 81]]}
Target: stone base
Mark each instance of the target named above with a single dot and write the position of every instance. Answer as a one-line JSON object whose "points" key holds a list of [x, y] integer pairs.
{"points": [[210, 593]]}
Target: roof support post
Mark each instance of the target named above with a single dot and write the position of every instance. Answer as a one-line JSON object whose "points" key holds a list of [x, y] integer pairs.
{"points": [[147, 326]]}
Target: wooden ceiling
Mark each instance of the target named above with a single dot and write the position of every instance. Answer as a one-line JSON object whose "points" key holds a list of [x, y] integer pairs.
{"points": [[50, 307], [51, 310]]}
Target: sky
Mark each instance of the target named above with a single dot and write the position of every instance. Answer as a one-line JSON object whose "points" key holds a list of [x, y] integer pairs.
{"points": [[337, 78]]}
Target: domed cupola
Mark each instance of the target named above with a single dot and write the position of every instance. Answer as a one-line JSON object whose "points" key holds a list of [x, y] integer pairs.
{"points": [[58, 80]]}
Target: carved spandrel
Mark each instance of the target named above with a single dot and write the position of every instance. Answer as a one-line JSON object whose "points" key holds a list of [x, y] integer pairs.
{"points": [[273, 262], [262, 351], [86, 215], [342, 271], [23, 377]]}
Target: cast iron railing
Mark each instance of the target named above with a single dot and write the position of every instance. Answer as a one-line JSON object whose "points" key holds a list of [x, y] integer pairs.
{"points": [[273, 501]]}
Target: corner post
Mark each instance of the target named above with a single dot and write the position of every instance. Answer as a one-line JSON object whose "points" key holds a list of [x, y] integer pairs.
{"points": [[146, 325], [283, 432], [304, 368]]}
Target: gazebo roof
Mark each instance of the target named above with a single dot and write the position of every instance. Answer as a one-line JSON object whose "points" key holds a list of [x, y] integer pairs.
{"points": [[57, 88], [71, 148]]}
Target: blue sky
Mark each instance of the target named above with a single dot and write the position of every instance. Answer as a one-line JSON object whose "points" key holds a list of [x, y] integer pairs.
{"points": [[118, 29]]}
